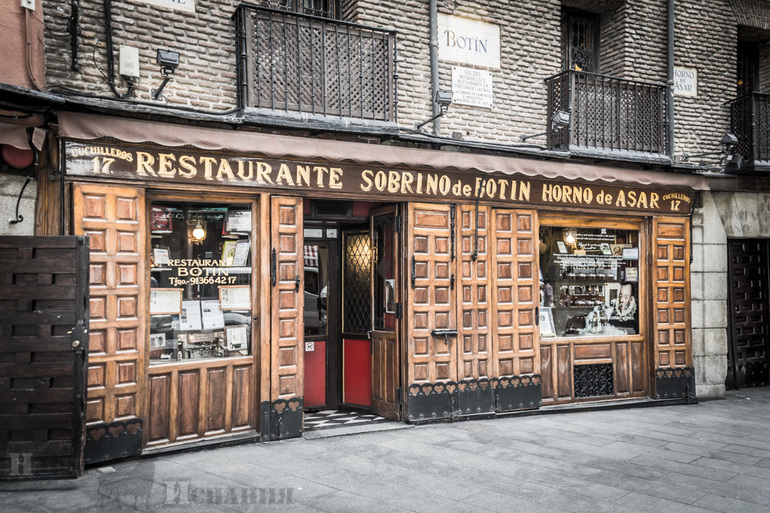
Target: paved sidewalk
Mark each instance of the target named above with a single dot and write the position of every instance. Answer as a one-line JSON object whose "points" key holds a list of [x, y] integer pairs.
{"points": [[714, 456]]}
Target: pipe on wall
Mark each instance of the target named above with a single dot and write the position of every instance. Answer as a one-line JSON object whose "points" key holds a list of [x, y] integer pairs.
{"points": [[433, 22], [670, 82]]}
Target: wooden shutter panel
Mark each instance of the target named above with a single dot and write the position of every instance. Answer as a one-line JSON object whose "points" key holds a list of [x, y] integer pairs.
{"points": [[433, 303], [473, 340], [671, 270], [113, 218], [515, 293], [287, 326]]}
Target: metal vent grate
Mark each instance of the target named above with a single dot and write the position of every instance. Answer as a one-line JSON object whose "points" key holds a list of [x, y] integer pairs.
{"points": [[593, 380]]}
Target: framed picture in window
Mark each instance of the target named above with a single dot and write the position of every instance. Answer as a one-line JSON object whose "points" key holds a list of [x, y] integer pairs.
{"points": [[241, 253], [165, 301], [547, 328], [237, 337], [235, 297]]}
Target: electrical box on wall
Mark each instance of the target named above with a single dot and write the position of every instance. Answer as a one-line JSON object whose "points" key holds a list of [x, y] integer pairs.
{"points": [[129, 61], [28, 4]]}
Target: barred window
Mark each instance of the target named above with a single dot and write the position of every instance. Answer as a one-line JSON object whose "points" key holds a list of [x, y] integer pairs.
{"points": [[580, 41]]}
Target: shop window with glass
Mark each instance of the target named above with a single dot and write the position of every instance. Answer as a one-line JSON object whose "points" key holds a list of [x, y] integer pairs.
{"points": [[589, 283], [200, 281]]}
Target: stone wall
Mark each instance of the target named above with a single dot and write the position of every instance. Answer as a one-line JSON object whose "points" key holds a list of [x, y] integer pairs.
{"points": [[721, 216], [10, 186], [709, 299]]}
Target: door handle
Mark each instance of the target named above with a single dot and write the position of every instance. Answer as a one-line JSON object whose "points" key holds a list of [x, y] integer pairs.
{"points": [[296, 284], [414, 271], [273, 257]]}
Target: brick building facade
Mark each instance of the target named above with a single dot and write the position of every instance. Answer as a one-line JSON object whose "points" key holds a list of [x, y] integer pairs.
{"points": [[346, 88]]}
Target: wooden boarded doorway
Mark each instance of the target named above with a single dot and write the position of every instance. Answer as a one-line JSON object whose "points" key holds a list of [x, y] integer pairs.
{"points": [[43, 347], [747, 355]]}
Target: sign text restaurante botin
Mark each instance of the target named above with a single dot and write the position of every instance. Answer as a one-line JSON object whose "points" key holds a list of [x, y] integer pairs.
{"points": [[197, 167]]}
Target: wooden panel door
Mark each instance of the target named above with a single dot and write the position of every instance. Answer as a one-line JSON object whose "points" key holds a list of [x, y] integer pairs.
{"points": [[671, 312], [515, 293], [113, 218], [386, 298], [287, 325], [474, 347], [432, 301]]}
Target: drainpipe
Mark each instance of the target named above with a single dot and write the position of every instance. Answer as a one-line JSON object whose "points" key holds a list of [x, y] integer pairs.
{"points": [[670, 88], [433, 22]]}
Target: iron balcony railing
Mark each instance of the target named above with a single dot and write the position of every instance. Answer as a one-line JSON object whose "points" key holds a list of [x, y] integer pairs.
{"points": [[750, 123], [307, 64], [607, 113]]}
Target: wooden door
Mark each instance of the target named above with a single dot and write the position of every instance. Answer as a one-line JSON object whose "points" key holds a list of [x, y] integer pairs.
{"points": [[287, 325], [671, 308], [748, 363], [515, 296], [113, 219], [43, 320], [431, 371], [386, 303]]}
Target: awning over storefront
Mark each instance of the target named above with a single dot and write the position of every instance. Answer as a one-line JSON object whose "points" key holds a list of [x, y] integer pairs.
{"points": [[93, 127]]}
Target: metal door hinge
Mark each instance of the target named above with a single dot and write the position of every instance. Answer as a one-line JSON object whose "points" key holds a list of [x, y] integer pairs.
{"points": [[399, 311], [398, 224]]}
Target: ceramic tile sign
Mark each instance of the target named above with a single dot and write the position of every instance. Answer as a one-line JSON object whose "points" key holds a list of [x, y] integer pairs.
{"points": [[177, 5], [472, 87], [685, 81]]}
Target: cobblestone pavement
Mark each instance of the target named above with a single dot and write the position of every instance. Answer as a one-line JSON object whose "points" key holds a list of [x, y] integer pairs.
{"points": [[714, 456]]}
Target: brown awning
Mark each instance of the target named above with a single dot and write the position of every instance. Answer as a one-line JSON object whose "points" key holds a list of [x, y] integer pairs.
{"points": [[91, 127]]}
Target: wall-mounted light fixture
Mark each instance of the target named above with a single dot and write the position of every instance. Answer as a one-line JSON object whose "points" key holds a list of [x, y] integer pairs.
{"points": [[727, 153], [168, 61], [444, 100], [558, 121]]}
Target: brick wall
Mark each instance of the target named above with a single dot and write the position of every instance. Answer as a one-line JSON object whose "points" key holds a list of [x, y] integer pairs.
{"points": [[205, 79], [706, 39], [633, 46]]}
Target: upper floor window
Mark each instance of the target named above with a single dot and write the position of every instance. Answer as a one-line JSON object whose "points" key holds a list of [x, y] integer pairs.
{"points": [[580, 40], [322, 8], [748, 68]]}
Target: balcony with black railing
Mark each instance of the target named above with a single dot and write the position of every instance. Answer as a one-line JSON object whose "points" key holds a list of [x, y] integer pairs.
{"points": [[315, 70], [750, 123], [608, 116]]}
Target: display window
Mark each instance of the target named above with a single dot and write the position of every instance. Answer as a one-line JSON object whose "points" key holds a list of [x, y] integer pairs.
{"points": [[200, 281], [589, 283]]}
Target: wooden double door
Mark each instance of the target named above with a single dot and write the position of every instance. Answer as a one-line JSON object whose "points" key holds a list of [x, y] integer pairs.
{"points": [[472, 292]]}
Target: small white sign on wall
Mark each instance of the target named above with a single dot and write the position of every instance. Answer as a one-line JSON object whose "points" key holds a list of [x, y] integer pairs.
{"points": [[177, 5], [472, 87], [685, 81], [468, 41]]}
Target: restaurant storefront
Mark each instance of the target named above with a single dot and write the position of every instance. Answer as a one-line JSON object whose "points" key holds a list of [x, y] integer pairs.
{"points": [[238, 279]]}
